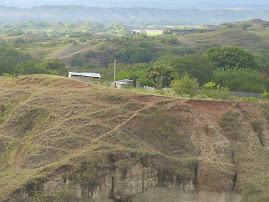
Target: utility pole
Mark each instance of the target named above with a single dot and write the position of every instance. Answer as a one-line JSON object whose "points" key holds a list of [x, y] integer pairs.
{"points": [[115, 62]]}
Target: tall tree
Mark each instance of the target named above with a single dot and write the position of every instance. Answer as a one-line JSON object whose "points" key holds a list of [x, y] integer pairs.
{"points": [[197, 66], [231, 57]]}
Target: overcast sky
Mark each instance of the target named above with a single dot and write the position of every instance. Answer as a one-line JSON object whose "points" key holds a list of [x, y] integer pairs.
{"points": [[203, 4]]}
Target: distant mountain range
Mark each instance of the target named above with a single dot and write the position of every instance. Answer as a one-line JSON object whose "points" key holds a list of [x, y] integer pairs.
{"points": [[149, 15], [164, 4]]}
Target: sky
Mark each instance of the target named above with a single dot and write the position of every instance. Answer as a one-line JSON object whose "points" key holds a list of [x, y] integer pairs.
{"points": [[196, 4]]}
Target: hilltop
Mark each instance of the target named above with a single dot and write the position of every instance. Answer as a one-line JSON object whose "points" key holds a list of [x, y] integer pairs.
{"points": [[66, 140]]}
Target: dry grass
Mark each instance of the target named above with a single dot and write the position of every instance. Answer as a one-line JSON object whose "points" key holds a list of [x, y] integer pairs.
{"points": [[51, 122]]}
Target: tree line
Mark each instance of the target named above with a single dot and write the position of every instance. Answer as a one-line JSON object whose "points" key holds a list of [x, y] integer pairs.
{"points": [[222, 68]]}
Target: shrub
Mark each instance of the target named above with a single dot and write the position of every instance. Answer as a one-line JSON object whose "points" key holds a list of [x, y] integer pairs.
{"points": [[265, 95], [186, 85], [211, 90], [170, 40], [222, 93], [210, 86]]}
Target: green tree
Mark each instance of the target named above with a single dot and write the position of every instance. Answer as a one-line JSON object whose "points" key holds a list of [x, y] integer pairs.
{"points": [[161, 76], [9, 58], [246, 80], [263, 61], [170, 40], [134, 55], [29, 68], [135, 72], [197, 66], [91, 54], [77, 61], [118, 29], [231, 57]]}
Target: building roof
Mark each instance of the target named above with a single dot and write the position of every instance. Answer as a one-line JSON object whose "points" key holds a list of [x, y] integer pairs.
{"points": [[93, 75], [124, 81]]}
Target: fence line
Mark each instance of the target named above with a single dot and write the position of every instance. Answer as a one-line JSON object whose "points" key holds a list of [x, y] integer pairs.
{"points": [[247, 95]]}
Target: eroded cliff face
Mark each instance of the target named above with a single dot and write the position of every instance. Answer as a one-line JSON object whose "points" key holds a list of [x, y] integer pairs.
{"points": [[88, 143], [137, 184]]}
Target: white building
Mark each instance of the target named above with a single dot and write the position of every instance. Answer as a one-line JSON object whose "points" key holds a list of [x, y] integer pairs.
{"points": [[125, 83], [86, 77]]}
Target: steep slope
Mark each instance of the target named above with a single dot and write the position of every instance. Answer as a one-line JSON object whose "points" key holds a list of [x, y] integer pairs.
{"points": [[63, 140]]}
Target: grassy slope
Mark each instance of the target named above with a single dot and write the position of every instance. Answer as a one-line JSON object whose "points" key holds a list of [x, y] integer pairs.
{"points": [[49, 122], [251, 41], [248, 40], [36, 45]]}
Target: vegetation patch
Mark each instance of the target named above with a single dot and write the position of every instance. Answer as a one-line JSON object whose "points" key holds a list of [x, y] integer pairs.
{"points": [[116, 99], [230, 123], [265, 109], [258, 129], [28, 118]]}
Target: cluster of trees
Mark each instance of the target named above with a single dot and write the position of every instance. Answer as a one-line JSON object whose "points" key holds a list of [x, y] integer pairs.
{"points": [[9, 57], [224, 67], [156, 62], [132, 50], [134, 55], [51, 66], [74, 29], [14, 62]]}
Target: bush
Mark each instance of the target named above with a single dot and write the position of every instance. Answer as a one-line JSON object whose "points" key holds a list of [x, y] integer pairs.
{"points": [[170, 40], [211, 90], [221, 93], [265, 95], [186, 85]]}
